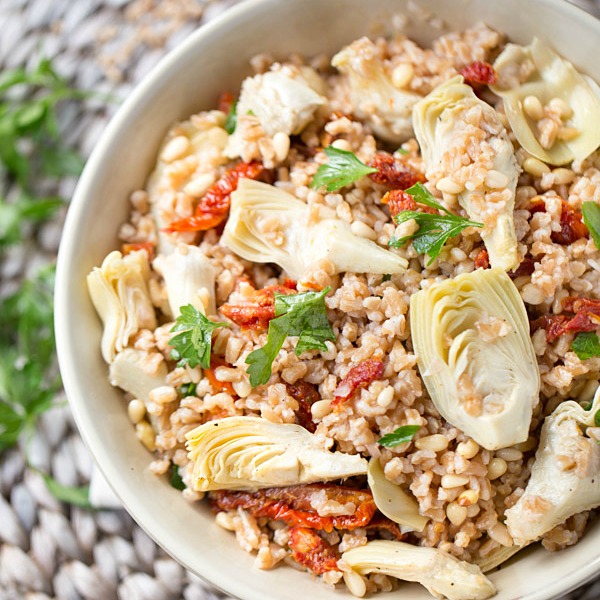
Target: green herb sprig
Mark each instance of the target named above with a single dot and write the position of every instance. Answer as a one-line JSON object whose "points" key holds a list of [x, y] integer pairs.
{"points": [[192, 345], [591, 218], [399, 436], [434, 229], [231, 121], [303, 315], [586, 345], [342, 169]]}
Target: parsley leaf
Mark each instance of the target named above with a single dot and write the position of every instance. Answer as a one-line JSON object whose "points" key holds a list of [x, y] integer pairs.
{"points": [[434, 229], [342, 169], [192, 346], [586, 345], [303, 315], [402, 151], [175, 478], [591, 218], [597, 418], [399, 436], [231, 122]]}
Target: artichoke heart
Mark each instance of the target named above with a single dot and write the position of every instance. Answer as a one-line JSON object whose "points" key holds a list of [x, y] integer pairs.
{"points": [[119, 292], [393, 501], [189, 279], [537, 71], [372, 94], [138, 372], [267, 224], [440, 573], [467, 152], [471, 338], [565, 478], [250, 453]]}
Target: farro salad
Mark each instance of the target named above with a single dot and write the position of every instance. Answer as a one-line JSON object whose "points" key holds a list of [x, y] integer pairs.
{"points": [[356, 310]]}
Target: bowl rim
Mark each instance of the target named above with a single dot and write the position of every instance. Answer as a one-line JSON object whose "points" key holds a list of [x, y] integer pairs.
{"points": [[67, 250]]}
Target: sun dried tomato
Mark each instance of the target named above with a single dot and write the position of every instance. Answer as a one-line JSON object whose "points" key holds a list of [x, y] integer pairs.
{"points": [[260, 308], [358, 377], [218, 386], [214, 205], [398, 201], [572, 227], [135, 246], [393, 173], [587, 318], [482, 260], [526, 267], [306, 394], [293, 505], [312, 551], [380, 523], [225, 102], [478, 73]]}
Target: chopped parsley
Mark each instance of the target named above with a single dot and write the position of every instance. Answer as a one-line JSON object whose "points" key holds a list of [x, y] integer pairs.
{"points": [[231, 121], [192, 345], [401, 151], [175, 478], [399, 436], [187, 389], [434, 229], [342, 169], [597, 418], [586, 345], [591, 218], [303, 315]]}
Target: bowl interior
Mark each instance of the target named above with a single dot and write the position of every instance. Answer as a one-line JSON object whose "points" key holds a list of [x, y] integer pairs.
{"points": [[190, 79]]}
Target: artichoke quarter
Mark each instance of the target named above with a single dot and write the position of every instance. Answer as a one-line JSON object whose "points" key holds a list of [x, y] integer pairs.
{"points": [[250, 453], [474, 351], [565, 478], [468, 154], [536, 73], [442, 574]]}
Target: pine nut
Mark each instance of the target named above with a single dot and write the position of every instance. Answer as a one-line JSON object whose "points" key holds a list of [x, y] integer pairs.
{"points": [[562, 176], [342, 144], [468, 498], [198, 185], [456, 514], [495, 179], [449, 186], [452, 481], [496, 468], [320, 409], [281, 145], [535, 167], [175, 148], [473, 510], [402, 75], [355, 583], [533, 107], [146, 435], [385, 397], [509, 454], [468, 449], [499, 533], [363, 230], [567, 133], [436, 442], [136, 410]]}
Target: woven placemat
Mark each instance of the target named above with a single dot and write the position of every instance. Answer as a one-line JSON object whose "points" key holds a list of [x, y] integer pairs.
{"points": [[48, 549]]}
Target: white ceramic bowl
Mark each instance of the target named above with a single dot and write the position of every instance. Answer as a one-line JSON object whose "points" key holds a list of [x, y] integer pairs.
{"points": [[189, 79]]}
